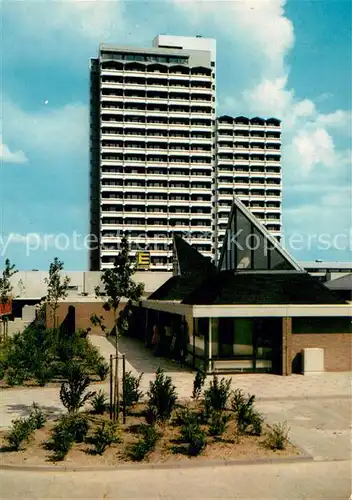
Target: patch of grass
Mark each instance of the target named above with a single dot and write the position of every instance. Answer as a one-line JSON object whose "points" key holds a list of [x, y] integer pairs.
{"points": [[277, 436]]}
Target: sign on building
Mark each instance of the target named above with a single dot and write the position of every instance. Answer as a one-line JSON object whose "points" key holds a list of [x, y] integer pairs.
{"points": [[143, 260]]}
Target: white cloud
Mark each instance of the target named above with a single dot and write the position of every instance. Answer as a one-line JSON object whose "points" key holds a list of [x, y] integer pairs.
{"points": [[260, 27], [8, 156], [50, 131]]}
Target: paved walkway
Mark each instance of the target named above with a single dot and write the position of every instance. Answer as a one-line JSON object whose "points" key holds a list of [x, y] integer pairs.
{"points": [[295, 481], [316, 407]]}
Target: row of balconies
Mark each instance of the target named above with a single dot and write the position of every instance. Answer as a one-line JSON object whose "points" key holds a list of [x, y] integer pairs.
{"points": [[165, 159], [145, 96], [165, 123], [170, 85], [187, 146], [264, 146], [145, 134], [247, 135], [151, 199], [130, 73]]}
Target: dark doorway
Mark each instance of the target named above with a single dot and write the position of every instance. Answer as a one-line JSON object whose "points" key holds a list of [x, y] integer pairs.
{"points": [[267, 345]]}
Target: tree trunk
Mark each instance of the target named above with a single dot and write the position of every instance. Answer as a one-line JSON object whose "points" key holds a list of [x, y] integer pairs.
{"points": [[116, 388]]}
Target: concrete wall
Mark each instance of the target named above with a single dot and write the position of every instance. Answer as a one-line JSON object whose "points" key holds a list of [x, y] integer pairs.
{"points": [[337, 349]]}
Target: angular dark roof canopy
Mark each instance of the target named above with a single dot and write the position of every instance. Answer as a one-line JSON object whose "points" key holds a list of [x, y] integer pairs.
{"points": [[243, 287]]}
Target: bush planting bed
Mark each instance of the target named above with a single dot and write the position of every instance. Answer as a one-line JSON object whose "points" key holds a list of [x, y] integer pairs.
{"points": [[216, 424]]}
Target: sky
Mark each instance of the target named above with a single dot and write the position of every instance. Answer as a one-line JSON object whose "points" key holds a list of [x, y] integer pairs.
{"points": [[289, 59]]}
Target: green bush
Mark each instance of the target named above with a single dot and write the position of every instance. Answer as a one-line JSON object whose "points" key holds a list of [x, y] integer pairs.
{"points": [[37, 417], [146, 443], [198, 383], [277, 437], [193, 434], [78, 425], [16, 376], [218, 422], [102, 369], [104, 435], [73, 393], [132, 394], [185, 416], [99, 402], [162, 396], [217, 395], [42, 354], [248, 419], [20, 433], [61, 440]]}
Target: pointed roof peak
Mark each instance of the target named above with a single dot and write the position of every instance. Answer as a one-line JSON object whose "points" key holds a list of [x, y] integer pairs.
{"points": [[248, 245]]}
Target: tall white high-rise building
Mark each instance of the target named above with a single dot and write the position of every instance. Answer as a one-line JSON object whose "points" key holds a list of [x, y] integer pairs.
{"points": [[162, 163], [152, 148], [248, 165]]}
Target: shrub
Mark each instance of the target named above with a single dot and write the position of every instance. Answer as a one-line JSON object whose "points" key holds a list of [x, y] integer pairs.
{"points": [[72, 392], [104, 435], [16, 376], [102, 369], [162, 396], [132, 394], [185, 416], [37, 417], [277, 437], [78, 426], [193, 434], [20, 433], [198, 383], [146, 443], [248, 419], [44, 373], [61, 440], [217, 395], [218, 423], [99, 402]]}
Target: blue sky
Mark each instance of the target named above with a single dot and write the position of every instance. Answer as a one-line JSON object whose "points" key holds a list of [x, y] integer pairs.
{"points": [[274, 58]]}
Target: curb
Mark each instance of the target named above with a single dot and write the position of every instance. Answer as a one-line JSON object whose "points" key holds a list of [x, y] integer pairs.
{"points": [[304, 457]]}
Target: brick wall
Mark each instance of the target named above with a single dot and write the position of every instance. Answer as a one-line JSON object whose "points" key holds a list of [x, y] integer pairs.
{"points": [[83, 312], [337, 349]]}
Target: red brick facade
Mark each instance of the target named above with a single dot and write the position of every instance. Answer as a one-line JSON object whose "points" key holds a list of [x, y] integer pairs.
{"points": [[337, 348]]}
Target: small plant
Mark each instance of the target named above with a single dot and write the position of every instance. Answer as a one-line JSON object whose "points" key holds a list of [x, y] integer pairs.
{"points": [[217, 395], [132, 394], [102, 369], [16, 376], [198, 383], [72, 392], [218, 423], [99, 402], [43, 374], [146, 443], [185, 416], [61, 440], [104, 435], [20, 433], [162, 396], [37, 417], [194, 435], [78, 425], [248, 419], [277, 437]]}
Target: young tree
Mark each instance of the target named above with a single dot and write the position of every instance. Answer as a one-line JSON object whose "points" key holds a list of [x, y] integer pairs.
{"points": [[57, 288], [6, 288], [118, 284]]}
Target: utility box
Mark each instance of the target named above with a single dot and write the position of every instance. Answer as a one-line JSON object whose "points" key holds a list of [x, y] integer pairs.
{"points": [[313, 360]]}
